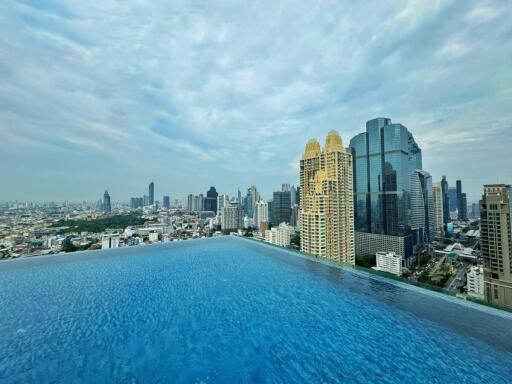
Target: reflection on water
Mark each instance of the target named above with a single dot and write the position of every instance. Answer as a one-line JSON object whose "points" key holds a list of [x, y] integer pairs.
{"points": [[461, 317]]}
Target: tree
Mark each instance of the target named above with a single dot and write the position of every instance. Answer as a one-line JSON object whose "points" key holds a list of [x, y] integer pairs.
{"points": [[68, 246]]}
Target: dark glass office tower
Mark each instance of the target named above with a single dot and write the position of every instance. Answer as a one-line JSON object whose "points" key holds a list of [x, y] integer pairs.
{"points": [[384, 160], [106, 203], [151, 193], [166, 202], [446, 200], [210, 203], [462, 209], [281, 208]]}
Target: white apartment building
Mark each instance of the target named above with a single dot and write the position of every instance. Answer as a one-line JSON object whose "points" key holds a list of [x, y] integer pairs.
{"points": [[389, 262], [475, 283], [280, 235], [110, 241], [260, 213], [231, 217], [153, 236]]}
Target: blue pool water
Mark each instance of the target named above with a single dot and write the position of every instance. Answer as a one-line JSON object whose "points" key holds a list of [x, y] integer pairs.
{"points": [[232, 310]]}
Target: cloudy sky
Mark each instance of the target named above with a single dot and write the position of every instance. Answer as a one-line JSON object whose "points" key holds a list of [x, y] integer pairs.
{"points": [[99, 95]]}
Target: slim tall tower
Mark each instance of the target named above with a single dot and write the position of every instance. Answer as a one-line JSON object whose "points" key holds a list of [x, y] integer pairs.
{"points": [[496, 243], [438, 209], [326, 205], [446, 200], [151, 193]]}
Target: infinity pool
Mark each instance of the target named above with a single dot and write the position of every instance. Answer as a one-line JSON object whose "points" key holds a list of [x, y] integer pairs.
{"points": [[231, 310]]}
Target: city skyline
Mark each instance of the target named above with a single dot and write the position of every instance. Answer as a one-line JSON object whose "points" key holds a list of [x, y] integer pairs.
{"points": [[208, 90]]}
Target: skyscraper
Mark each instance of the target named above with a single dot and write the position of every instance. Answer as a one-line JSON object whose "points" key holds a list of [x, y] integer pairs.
{"points": [[250, 200], [151, 193], [210, 203], [385, 160], [166, 202], [463, 207], [326, 201], [462, 204], [190, 203], [458, 184], [437, 196], [446, 200], [452, 198], [496, 243], [106, 202], [281, 208], [422, 206]]}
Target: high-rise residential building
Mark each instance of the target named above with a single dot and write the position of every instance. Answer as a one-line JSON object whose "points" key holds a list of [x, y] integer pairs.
{"points": [[437, 196], [166, 202], [231, 218], [496, 243], [297, 197], [146, 200], [385, 160], [190, 203], [239, 196], [326, 200], [222, 201], [281, 208], [107, 208], [446, 200], [210, 203], [151, 193], [260, 213], [198, 203], [136, 202]]}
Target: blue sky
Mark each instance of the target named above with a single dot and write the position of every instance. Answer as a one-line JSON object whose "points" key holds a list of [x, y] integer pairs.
{"points": [[112, 95]]}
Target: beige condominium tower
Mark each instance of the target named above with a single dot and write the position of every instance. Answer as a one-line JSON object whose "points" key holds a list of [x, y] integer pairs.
{"points": [[326, 201], [496, 243]]}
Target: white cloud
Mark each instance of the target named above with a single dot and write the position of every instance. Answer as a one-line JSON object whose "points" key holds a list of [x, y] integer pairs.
{"points": [[192, 94]]}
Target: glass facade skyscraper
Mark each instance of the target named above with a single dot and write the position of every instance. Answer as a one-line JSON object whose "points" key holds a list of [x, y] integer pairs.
{"points": [[385, 159], [106, 203], [210, 203], [151, 193], [281, 208]]}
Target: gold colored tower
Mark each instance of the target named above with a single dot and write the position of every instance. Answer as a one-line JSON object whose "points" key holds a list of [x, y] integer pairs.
{"points": [[326, 200]]}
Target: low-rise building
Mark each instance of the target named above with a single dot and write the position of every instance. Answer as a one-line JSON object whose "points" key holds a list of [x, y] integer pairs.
{"points": [[475, 282], [110, 241], [280, 235], [389, 262]]}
